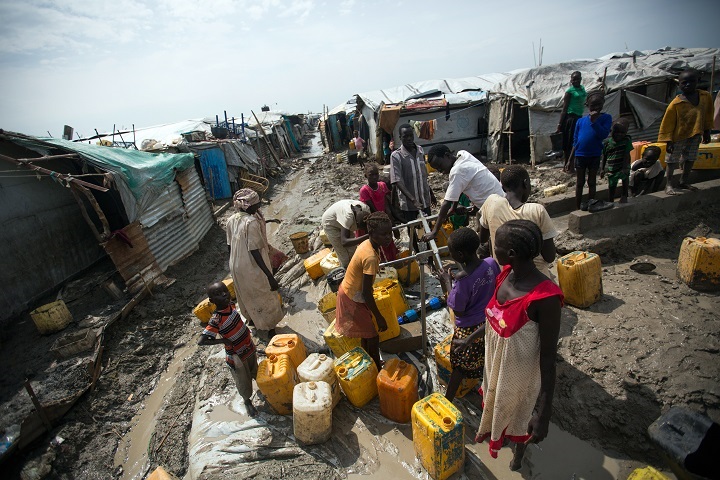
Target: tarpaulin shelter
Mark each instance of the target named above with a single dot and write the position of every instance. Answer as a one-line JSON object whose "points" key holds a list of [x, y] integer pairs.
{"points": [[457, 107], [525, 107], [67, 202]]}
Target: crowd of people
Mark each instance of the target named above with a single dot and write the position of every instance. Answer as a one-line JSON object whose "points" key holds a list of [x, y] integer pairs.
{"points": [[505, 303]]}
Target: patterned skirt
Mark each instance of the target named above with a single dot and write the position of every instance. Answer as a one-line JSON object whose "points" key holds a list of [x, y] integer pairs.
{"points": [[472, 359]]}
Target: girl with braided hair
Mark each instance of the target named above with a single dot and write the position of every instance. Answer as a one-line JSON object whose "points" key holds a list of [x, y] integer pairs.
{"points": [[523, 318], [355, 301]]}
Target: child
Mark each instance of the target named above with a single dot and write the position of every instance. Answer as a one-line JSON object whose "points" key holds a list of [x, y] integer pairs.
{"points": [[523, 324], [646, 174], [376, 195], [355, 302], [359, 142], [473, 287], [235, 335], [590, 131], [687, 121], [616, 160]]}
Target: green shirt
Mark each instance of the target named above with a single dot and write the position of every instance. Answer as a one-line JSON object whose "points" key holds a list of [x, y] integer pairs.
{"points": [[577, 100]]}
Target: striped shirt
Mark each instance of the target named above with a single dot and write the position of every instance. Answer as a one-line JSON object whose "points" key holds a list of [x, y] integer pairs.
{"points": [[230, 325], [615, 153], [412, 173]]}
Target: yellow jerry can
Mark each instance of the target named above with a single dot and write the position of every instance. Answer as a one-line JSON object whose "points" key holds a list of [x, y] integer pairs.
{"points": [[438, 436], [327, 305], [444, 369], [398, 389], [290, 344], [708, 157], [647, 473], [312, 264], [338, 343], [206, 308], [580, 278], [390, 300], [329, 262], [409, 274], [699, 263], [276, 379], [357, 373]]}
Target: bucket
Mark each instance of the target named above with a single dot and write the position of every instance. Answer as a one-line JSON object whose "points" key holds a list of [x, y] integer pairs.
{"points": [[52, 317], [335, 278], [300, 242]]}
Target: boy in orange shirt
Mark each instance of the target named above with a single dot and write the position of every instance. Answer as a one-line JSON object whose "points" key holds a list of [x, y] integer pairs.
{"points": [[687, 121]]}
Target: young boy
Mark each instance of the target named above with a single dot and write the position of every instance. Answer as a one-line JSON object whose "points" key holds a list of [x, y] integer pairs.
{"points": [[235, 335], [616, 160], [359, 142], [687, 121], [590, 131], [646, 174]]}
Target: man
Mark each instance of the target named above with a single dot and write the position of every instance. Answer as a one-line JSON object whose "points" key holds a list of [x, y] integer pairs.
{"points": [[408, 174], [468, 175]]}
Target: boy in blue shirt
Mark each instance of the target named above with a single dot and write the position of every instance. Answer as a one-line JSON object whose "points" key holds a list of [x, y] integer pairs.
{"points": [[590, 131]]}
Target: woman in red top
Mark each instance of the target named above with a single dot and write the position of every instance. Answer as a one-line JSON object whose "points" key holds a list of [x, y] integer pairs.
{"points": [[523, 318]]}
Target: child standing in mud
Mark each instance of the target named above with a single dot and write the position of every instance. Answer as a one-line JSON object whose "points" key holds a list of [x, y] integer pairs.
{"points": [[355, 301], [616, 160], [687, 122], [590, 131], [235, 335], [473, 287]]}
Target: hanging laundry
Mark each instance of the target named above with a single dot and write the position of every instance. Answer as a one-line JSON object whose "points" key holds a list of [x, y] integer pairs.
{"points": [[416, 127], [427, 129]]}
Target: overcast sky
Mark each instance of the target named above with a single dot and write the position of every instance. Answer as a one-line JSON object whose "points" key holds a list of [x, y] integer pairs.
{"points": [[95, 63]]}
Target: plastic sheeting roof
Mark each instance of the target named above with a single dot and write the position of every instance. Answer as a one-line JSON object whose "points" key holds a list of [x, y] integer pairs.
{"points": [[465, 90], [544, 87], [673, 59]]}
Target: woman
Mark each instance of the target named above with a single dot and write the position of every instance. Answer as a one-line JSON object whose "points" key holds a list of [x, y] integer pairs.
{"points": [[340, 222], [355, 301], [523, 317], [255, 286]]}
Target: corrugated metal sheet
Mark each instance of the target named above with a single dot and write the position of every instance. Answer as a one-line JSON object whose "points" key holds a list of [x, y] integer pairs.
{"points": [[136, 264], [179, 219], [649, 134]]}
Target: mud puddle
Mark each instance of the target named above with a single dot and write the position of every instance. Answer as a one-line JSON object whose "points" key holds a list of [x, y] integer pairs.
{"points": [[132, 451]]}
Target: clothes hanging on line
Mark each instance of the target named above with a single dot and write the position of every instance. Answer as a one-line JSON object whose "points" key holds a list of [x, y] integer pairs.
{"points": [[425, 129]]}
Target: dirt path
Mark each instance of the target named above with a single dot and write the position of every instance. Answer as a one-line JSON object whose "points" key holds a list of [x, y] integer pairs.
{"points": [[649, 344]]}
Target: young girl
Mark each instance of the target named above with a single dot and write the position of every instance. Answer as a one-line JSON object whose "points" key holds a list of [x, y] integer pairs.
{"points": [[590, 131], [355, 302], [520, 344], [376, 195], [473, 287]]}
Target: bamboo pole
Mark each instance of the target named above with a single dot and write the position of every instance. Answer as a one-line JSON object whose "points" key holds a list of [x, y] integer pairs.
{"points": [[56, 174]]}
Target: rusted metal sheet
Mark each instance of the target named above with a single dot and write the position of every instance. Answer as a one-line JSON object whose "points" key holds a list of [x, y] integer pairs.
{"points": [[135, 262], [180, 218]]}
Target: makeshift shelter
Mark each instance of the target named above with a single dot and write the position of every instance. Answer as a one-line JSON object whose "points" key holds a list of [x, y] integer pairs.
{"points": [[71, 203], [448, 111], [525, 107]]}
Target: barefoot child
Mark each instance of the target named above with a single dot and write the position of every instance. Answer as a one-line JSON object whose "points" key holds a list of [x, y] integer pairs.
{"points": [[355, 302], [523, 325], [687, 121], [473, 287], [616, 160], [646, 174], [235, 335], [376, 195], [590, 131]]}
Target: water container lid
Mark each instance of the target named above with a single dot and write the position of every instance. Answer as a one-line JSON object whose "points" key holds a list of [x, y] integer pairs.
{"points": [[311, 385], [322, 357]]}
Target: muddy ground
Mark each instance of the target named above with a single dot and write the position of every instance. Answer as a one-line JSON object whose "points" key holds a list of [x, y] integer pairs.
{"points": [[649, 344]]}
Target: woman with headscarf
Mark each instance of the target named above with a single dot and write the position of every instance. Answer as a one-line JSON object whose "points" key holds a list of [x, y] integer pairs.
{"points": [[250, 267]]}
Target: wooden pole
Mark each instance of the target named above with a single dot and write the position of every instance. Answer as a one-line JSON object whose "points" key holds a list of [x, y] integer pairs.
{"points": [[267, 142], [712, 76], [56, 174], [38, 406]]}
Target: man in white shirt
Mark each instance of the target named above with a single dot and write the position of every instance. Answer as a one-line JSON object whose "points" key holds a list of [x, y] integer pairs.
{"points": [[468, 175]]}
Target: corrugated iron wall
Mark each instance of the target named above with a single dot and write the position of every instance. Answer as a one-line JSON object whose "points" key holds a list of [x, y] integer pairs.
{"points": [[178, 220]]}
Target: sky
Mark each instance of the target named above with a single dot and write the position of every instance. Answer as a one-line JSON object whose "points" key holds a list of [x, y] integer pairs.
{"points": [[93, 64]]}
